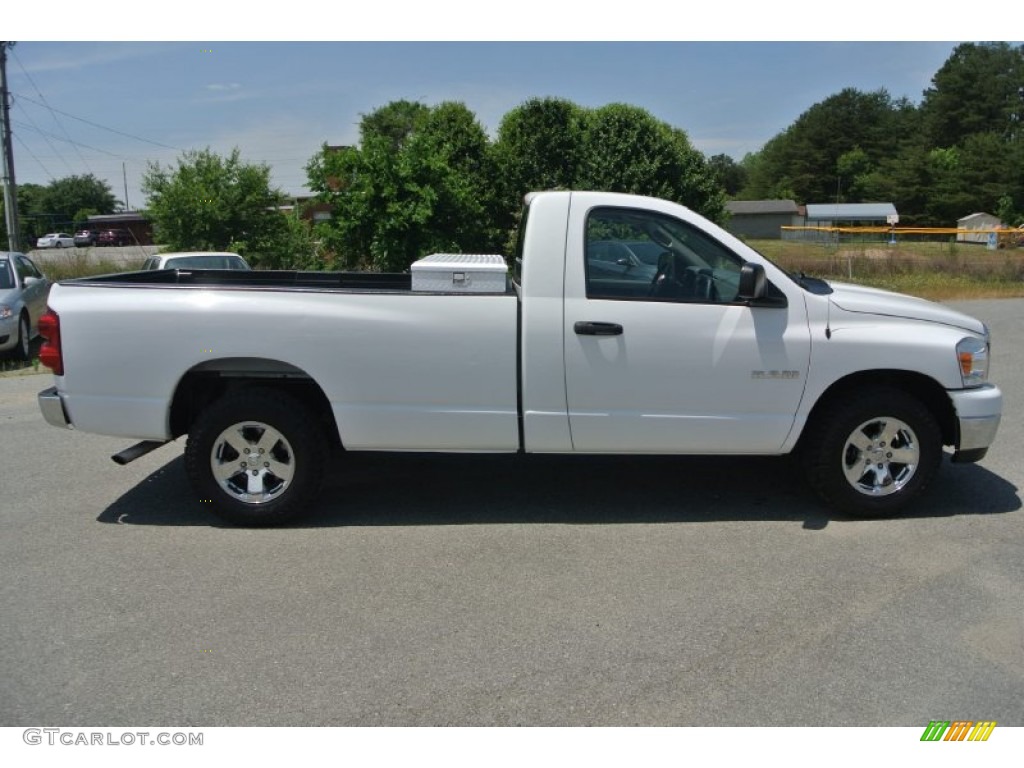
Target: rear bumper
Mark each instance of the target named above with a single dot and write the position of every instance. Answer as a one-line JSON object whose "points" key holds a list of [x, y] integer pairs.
{"points": [[978, 412], [52, 407]]}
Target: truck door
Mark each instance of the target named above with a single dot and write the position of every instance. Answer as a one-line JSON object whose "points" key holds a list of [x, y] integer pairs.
{"points": [[660, 356]]}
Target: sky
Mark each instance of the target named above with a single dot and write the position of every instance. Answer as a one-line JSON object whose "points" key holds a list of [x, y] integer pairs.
{"points": [[112, 108]]}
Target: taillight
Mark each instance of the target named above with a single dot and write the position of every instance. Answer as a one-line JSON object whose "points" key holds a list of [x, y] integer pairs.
{"points": [[50, 354]]}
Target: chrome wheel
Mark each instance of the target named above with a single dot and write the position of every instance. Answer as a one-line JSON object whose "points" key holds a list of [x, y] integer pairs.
{"points": [[881, 456], [252, 462]]}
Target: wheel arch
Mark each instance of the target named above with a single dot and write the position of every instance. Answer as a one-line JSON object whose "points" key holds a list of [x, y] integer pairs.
{"points": [[918, 385], [212, 380]]}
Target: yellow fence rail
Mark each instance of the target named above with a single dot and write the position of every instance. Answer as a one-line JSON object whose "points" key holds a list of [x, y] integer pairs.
{"points": [[906, 230], [1004, 237]]}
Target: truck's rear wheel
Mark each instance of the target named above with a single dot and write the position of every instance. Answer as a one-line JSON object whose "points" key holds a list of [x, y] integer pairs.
{"points": [[874, 453], [257, 456]]}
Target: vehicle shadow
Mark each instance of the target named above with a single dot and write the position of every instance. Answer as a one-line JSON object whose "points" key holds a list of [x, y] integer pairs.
{"points": [[10, 363], [372, 489]]}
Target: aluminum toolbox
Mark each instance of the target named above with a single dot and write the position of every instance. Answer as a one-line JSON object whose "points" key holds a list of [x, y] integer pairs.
{"points": [[460, 273]]}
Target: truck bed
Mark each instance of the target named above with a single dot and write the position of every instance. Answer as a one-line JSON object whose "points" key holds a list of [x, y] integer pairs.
{"points": [[262, 280], [131, 339]]}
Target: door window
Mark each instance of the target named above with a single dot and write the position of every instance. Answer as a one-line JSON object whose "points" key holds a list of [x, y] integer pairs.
{"points": [[27, 269], [643, 255]]}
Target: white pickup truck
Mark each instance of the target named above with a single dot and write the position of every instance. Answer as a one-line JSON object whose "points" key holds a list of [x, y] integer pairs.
{"points": [[629, 325]]}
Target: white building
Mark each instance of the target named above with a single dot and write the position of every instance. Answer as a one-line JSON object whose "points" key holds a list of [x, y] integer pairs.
{"points": [[978, 221]]}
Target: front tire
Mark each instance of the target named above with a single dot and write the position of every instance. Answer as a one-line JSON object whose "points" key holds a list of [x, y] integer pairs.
{"points": [[257, 457], [873, 454], [23, 348]]}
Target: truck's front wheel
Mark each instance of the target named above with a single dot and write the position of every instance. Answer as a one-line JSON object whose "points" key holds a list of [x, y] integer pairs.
{"points": [[873, 453], [257, 456]]}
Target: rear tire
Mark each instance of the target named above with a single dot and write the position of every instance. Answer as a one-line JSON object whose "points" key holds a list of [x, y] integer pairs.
{"points": [[873, 454], [257, 457]]}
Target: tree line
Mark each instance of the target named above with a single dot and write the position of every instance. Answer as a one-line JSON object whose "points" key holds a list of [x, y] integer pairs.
{"points": [[425, 179], [60, 206], [960, 151]]}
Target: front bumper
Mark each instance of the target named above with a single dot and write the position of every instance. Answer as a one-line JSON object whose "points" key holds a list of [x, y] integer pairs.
{"points": [[978, 412], [52, 406]]}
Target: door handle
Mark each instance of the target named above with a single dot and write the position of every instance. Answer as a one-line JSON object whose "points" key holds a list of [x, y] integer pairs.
{"points": [[587, 328]]}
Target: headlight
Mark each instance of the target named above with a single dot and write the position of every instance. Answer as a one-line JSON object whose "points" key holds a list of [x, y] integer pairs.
{"points": [[5, 312], [972, 354]]}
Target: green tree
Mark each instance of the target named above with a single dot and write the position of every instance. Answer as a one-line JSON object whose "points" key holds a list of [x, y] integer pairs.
{"points": [[210, 202], [948, 197], [33, 223], [851, 168], [730, 175], [553, 143], [979, 89], [59, 206], [538, 147], [805, 157], [626, 149], [1007, 212], [394, 201], [902, 180], [426, 179], [64, 198], [394, 122]]}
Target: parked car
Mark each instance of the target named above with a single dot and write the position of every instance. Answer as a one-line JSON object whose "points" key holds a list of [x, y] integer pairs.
{"points": [[55, 240], [23, 293], [86, 237], [114, 237], [196, 260]]}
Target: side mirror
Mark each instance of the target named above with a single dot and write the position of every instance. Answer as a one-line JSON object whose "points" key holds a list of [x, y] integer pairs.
{"points": [[752, 282]]}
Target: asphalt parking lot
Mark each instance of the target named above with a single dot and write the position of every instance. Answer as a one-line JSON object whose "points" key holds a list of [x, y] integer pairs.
{"points": [[482, 590]]}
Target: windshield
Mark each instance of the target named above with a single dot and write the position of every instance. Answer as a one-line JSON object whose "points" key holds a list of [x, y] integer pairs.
{"points": [[6, 276], [203, 262]]}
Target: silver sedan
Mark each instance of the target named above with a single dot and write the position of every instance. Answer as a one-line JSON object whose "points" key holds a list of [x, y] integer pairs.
{"points": [[23, 293]]}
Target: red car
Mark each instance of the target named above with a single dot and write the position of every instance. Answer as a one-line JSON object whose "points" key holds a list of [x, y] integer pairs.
{"points": [[114, 237]]}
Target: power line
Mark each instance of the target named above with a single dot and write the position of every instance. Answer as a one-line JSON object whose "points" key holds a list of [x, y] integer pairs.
{"points": [[67, 141], [40, 130], [103, 127], [25, 147], [47, 105]]}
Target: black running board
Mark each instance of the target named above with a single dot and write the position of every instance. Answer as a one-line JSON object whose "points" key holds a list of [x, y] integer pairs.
{"points": [[129, 455]]}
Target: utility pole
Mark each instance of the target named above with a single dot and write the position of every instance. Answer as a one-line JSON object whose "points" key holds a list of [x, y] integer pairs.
{"points": [[10, 187]]}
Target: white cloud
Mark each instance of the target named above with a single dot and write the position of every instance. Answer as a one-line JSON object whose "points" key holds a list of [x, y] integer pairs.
{"points": [[223, 86]]}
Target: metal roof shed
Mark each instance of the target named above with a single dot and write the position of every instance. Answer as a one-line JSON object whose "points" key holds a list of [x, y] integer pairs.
{"points": [[978, 221], [761, 218], [831, 214]]}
